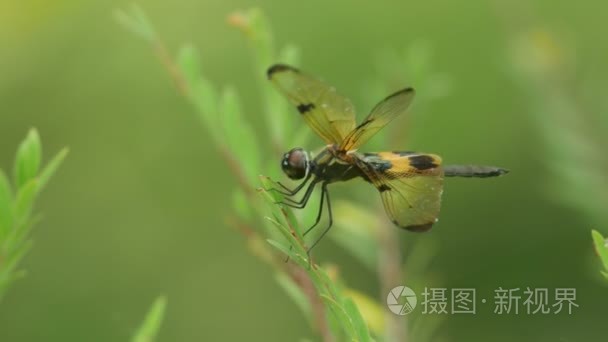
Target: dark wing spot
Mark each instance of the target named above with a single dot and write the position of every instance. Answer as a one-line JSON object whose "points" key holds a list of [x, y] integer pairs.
{"points": [[419, 228], [422, 162], [279, 68], [304, 108], [402, 91], [383, 188]]}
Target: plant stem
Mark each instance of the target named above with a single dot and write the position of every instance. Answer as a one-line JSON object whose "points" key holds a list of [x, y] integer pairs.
{"points": [[299, 276], [390, 274]]}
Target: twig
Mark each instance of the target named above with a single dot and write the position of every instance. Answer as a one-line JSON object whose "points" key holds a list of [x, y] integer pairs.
{"points": [[298, 275], [182, 86], [301, 278], [390, 275]]}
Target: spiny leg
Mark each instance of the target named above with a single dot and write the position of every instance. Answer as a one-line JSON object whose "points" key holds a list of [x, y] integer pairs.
{"points": [[323, 190], [294, 191], [331, 219], [303, 201]]}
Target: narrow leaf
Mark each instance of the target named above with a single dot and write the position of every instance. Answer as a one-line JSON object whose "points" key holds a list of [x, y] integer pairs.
{"points": [[15, 256], [238, 134], [274, 197], [24, 202], [6, 215], [136, 21], [49, 170], [281, 247], [369, 309], [342, 316], [202, 93], [295, 293], [149, 328], [298, 249], [601, 247], [241, 204], [188, 61], [27, 160]]}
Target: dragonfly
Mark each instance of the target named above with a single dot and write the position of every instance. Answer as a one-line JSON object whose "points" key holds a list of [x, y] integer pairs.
{"points": [[410, 183]]}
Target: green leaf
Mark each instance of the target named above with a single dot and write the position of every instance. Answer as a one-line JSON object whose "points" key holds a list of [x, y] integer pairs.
{"points": [[231, 120], [298, 252], [281, 247], [18, 237], [15, 256], [49, 170], [342, 316], [151, 325], [256, 27], [205, 99], [359, 323], [279, 111], [188, 61], [274, 197], [241, 205], [24, 202], [6, 199], [296, 294], [239, 135], [27, 161], [600, 247], [136, 21], [254, 24], [15, 213], [369, 309], [202, 93]]}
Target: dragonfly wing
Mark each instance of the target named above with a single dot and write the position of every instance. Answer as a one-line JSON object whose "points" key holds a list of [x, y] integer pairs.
{"points": [[383, 113], [329, 114], [410, 185]]}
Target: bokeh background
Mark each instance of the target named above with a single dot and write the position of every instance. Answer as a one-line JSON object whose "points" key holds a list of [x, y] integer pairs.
{"points": [[138, 209]]}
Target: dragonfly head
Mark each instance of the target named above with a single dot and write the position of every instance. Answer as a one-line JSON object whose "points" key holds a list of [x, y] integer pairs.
{"points": [[295, 163]]}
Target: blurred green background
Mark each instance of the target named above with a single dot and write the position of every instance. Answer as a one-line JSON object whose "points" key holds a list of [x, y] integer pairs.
{"points": [[138, 209]]}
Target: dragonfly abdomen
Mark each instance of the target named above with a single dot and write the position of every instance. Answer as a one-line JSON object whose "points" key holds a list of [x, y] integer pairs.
{"points": [[473, 171]]}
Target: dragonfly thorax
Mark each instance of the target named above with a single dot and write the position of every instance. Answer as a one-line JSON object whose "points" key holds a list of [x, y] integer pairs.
{"points": [[295, 163]]}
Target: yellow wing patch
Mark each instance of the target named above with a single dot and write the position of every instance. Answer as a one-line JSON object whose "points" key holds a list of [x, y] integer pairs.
{"points": [[410, 163], [410, 185]]}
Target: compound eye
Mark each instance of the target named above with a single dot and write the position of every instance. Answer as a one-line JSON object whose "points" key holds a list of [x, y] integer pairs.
{"points": [[295, 163]]}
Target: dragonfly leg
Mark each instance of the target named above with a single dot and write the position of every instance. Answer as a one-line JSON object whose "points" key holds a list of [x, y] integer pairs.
{"points": [[290, 192], [325, 194], [303, 201]]}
